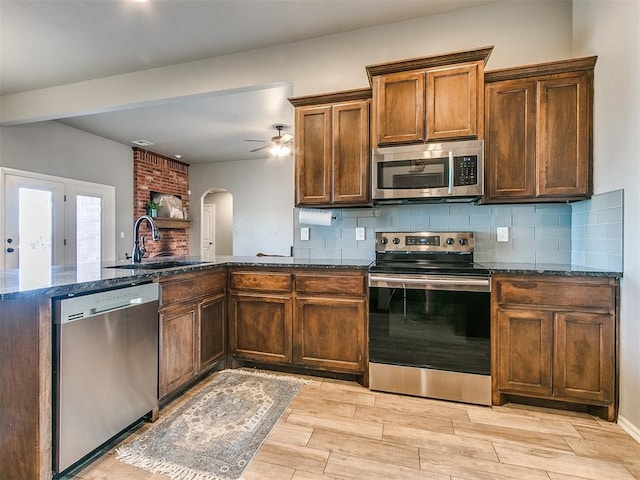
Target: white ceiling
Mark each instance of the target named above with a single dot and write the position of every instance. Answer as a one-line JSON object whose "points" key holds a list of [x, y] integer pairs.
{"points": [[45, 43]]}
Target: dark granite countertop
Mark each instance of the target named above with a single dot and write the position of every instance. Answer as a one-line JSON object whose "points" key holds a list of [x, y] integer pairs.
{"points": [[558, 269], [65, 280]]}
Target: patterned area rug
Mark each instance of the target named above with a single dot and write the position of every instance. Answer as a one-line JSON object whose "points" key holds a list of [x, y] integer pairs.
{"points": [[215, 434]]}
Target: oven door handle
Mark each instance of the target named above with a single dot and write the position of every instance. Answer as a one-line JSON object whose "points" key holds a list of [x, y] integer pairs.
{"points": [[432, 282]]}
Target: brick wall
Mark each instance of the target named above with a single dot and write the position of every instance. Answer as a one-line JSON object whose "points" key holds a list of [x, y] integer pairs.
{"points": [[156, 173]]}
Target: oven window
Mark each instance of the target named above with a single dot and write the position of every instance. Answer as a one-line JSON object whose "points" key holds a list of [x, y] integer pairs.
{"points": [[443, 330]]}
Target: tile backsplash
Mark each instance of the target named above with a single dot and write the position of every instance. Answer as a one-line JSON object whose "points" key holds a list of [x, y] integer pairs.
{"points": [[538, 233], [597, 231]]}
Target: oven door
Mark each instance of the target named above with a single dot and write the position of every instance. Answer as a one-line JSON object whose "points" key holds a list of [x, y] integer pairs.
{"points": [[438, 322]]}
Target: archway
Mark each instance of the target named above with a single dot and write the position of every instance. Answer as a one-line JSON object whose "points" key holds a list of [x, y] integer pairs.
{"points": [[216, 224]]}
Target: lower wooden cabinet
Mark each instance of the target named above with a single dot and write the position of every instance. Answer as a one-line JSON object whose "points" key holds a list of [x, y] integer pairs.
{"points": [[309, 319], [192, 327], [260, 327], [25, 388], [555, 338], [329, 329]]}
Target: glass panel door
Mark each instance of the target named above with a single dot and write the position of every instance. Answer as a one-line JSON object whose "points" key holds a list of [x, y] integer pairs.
{"points": [[34, 220]]}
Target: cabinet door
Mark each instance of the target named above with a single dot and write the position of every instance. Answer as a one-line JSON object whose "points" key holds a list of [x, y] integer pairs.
{"points": [[564, 136], [313, 155], [524, 351], [213, 331], [399, 110], [510, 140], [22, 402], [452, 102], [260, 327], [329, 334], [584, 356], [351, 153], [177, 347]]}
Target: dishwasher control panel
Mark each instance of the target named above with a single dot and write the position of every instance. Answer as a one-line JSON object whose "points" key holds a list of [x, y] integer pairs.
{"points": [[97, 303]]}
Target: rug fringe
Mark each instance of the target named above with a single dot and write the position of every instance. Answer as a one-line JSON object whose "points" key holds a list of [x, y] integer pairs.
{"points": [[175, 472], [267, 375]]}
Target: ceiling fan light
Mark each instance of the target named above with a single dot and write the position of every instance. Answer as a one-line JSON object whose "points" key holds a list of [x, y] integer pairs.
{"points": [[280, 150]]}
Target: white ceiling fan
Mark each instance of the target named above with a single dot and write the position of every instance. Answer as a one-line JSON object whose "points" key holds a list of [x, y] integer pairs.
{"points": [[279, 146]]}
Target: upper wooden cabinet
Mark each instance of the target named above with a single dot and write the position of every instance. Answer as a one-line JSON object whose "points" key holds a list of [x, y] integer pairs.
{"points": [[332, 153], [428, 99], [538, 132]]}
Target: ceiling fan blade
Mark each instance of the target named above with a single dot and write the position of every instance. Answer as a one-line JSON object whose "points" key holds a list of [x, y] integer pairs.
{"points": [[258, 149], [286, 138], [261, 141]]}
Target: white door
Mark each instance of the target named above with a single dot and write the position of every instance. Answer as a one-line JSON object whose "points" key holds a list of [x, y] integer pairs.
{"points": [[208, 228], [34, 226]]}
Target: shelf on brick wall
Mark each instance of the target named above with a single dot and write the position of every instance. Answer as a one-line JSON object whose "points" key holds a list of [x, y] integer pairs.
{"points": [[172, 222]]}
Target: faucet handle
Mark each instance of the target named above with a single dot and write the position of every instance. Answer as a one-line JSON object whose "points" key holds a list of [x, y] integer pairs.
{"points": [[143, 249]]}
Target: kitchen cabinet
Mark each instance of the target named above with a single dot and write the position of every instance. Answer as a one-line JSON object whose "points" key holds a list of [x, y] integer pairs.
{"points": [[260, 315], [428, 99], [332, 153], [25, 394], [329, 330], [556, 338], [308, 318], [192, 327], [538, 137]]}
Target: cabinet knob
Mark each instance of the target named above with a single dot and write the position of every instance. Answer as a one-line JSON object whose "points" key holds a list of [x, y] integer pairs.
{"points": [[10, 250]]}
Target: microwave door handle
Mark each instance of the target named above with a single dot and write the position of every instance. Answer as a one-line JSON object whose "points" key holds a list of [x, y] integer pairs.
{"points": [[450, 173]]}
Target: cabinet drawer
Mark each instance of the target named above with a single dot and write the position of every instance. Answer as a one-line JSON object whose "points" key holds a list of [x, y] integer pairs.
{"points": [[335, 284], [556, 293], [188, 286], [261, 281]]}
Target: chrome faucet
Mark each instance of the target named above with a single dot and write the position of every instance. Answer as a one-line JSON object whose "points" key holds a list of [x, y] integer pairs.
{"points": [[139, 251]]}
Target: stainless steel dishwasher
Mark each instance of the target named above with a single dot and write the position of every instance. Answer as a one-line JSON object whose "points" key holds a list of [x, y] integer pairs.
{"points": [[105, 369]]}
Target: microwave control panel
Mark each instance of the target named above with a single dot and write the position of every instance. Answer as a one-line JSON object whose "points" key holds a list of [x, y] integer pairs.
{"points": [[465, 170]]}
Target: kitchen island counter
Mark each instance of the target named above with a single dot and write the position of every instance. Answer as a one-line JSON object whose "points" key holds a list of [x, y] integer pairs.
{"points": [[72, 280]]}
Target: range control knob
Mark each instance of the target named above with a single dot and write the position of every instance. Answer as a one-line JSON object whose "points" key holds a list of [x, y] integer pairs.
{"points": [[450, 241], [462, 241], [384, 240], [396, 241]]}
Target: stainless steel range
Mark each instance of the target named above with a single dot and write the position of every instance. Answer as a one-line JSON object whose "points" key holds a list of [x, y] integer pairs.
{"points": [[429, 319]]}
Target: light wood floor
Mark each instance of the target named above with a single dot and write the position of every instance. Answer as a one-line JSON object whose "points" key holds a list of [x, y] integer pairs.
{"points": [[340, 430]]}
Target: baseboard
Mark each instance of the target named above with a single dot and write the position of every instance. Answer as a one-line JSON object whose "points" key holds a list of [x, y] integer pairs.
{"points": [[629, 427]]}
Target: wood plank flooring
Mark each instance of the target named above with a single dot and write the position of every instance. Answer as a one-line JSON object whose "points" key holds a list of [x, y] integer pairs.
{"points": [[336, 430]]}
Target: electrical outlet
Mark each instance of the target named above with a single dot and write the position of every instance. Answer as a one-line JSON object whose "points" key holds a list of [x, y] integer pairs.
{"points": [[359, 233], [121, 234], [304, 233], [503, 234]]}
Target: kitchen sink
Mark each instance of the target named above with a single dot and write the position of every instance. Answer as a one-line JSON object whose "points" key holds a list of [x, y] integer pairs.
{"points": [[157, 265]]}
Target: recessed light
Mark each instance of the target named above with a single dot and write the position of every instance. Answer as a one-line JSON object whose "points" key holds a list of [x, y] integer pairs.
{"points": [[142, 143], [178, 156]]}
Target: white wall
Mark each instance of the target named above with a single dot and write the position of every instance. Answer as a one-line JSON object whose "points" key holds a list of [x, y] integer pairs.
{"points": [[55, 149], [611, 30], [262, 193]]}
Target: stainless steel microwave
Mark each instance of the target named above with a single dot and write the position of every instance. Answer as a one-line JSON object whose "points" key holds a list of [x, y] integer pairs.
{"points": [[434, 171]]}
